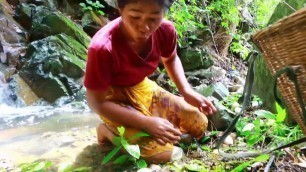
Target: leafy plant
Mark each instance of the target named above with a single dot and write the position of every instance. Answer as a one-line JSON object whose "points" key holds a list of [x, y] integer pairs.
{"points": [[267, 127], [229, 100], [43, 166], [241, 167], [37, 166], [226, 11], [93, 6], [262, 11], [132, 150], [183, 14], [240, 44]]}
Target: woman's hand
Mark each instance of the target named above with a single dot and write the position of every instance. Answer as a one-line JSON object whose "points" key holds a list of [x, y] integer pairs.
{"points": [[162, 130], [199, 101]]}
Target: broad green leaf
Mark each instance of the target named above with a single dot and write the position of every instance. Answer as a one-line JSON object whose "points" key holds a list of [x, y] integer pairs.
{"points": [[83, 5], [262, 158], [121, 159], [281, 113], [204, 139], [248, 127], [39, 166], [133, 150], [117, 141], [83, 169], [64, 167], [205, 148], [42, 166], [242, 166], [139, 134], [124, 142], [121, 130], [110, 155], [264, 114], [141, 164], [196, 165]]}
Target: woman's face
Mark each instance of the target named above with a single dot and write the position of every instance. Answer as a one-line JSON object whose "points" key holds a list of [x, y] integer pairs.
{"points": [[140, 19]]}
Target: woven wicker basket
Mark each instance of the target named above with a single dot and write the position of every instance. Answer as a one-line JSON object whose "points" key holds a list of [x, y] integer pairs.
{"points": [[284, 44]]}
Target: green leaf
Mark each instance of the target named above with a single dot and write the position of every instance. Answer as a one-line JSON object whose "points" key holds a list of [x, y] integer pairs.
{"points": [[121, 159], [64, 167], [121, 130], [281, 113], [264, 114], [242, 166], [89, 2], [141, 164], [83, 169], [205, 148], [193, 37], [133, 150], [42, 166], [39, 166], [101, 12], [83, 5], [204, 139], [110, 155], [117, 141], [262, 158], [139, 134], [124, 142], [196, 165]]}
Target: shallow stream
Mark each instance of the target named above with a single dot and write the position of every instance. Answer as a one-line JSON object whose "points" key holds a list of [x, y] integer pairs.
{"points": [[29, 133]]}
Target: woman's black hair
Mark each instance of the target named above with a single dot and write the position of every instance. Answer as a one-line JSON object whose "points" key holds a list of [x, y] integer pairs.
{"points": [[164, 3]]}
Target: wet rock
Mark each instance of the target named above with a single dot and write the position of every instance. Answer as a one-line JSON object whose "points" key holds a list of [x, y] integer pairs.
{"points": [[52, 4], [239, 80], [228, 140], [218, 72], [54, 67], [194, 81], [201, 73], [194, 59], [235, 88], [91, 22], [12, 37], [23, 15], [47, 22], [222, 119], [217, 90]]}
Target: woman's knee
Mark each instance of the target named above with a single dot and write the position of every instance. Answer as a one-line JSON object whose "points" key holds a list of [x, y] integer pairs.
{"points": [[195, 124], [104, 134]]}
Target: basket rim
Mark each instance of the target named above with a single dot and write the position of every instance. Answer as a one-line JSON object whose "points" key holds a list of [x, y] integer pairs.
{"points": [[283, 25]]}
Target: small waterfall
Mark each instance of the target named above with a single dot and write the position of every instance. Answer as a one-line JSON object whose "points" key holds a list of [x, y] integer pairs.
{"points": [[5, 99], [14, 112]]}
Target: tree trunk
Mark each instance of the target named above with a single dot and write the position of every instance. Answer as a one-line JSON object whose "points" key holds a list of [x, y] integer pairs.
{"points": [[223, 39]]}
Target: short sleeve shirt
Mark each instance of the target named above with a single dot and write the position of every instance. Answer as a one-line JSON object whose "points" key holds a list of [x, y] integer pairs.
{"points": [[111, 62]]}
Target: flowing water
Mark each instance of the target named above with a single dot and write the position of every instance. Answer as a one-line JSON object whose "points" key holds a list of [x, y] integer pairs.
{"points": [[42, 131]]}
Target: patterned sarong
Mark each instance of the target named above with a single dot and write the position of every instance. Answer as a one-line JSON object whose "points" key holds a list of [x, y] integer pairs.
{"points": [[152, 100]]}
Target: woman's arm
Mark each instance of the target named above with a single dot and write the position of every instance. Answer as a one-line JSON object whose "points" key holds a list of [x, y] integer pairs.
{"points": [[162, 130], [175, 70]]}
